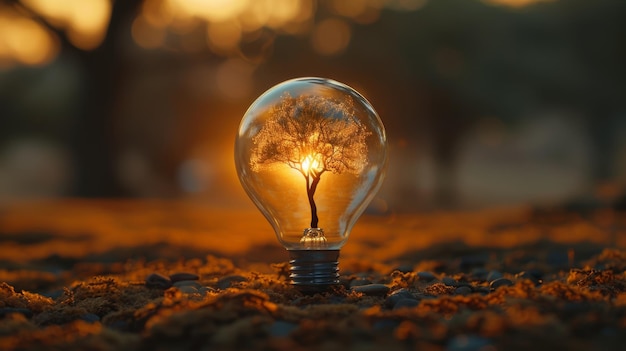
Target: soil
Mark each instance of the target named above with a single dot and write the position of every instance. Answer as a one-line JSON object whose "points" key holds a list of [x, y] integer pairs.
{"points": [[176, 275]]}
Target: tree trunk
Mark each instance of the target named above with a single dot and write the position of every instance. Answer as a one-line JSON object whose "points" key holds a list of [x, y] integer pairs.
{"points": [[95, 137], [310, 192]]}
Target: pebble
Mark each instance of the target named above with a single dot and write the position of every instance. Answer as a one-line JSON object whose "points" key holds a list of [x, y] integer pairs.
{"points": [[398, 295], [479, 273], [228, 281], [186, 289], [406, 303], [372, 289], [427, 276], [360, 282], [537, 273], [463, 290], [156, 280], [405, 268], [8, 310], [468, 343], [191, 283], [205, 290], [281, 329], [90, 317], [182, 276], [500, 282], [528, 276], [449, 281], [493, 275]]}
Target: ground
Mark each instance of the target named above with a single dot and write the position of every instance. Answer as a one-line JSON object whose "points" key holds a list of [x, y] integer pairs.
{"points": [[170, 275]]}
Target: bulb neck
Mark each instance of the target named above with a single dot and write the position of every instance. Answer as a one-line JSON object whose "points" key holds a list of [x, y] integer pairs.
{"points": [[313, 271]]}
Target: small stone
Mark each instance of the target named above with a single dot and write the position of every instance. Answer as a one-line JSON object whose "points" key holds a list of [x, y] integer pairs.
{"points": [[156, 280], [9, 310], [537, 273], [406, 303], [426, 276], [405, 268], [191, 283], [281, 329], [205, 290], [90, 317], [463, 290], [528, 276], [186, 289], [493, 275], [500, 282], [449, 281], [181, 276], [372, 289], [479, 273], [360, 282], [398, 295], [229, 281]]}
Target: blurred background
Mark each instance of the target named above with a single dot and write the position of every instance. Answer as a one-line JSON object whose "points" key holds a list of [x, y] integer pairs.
{"points": [[486, 102]]}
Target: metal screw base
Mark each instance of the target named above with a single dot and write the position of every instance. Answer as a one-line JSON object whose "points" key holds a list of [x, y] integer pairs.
{"points": [[313, 270]]}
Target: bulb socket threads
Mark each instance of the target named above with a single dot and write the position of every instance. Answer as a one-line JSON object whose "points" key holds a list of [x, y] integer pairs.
{"points": [[313, 271]]}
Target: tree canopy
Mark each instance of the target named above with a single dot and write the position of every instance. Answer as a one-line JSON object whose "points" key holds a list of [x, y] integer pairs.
{"points": [[312, 134]]}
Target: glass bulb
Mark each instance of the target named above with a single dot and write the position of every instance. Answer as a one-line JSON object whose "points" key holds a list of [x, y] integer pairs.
{"points": [[311, 153]]}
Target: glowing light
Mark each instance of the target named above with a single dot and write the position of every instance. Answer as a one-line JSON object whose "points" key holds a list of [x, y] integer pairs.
{"points": [[25, 41], [85, 21], [211, 10], [311, 163], [331, 37], [157, 12], [224, 36]]}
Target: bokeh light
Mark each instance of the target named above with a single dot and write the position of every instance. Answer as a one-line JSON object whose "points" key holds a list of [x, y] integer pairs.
{"points": [[22, 40], [330, 37], [464, 86], [84, 21]]}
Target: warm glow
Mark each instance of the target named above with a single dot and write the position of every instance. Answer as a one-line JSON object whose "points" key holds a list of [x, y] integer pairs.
{"points": [[223, 36], [514, 3], [146, 35], [24, 41], [234, 79], [311, 163], [331, 37], [157, 12], [229, 23], [210, 10], [85, 21]]}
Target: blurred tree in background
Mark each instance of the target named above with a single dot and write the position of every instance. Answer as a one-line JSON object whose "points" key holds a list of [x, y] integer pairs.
{"points": [[480, 98]]}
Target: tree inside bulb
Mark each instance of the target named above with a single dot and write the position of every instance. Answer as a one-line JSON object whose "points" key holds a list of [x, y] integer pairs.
{"points": [[323, 129]]}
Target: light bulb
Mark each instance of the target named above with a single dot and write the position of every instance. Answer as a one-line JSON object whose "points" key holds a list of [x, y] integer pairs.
{"points": [[311, 153]]}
